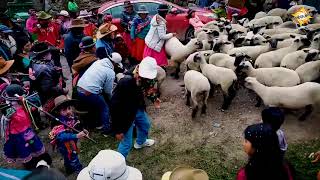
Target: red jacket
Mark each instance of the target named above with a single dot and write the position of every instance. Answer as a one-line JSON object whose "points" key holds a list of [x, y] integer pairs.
{"points": [[49, 34], [90, 30]]}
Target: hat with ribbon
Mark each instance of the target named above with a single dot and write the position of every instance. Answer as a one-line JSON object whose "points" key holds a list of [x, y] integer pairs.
{"points": [[43, 15], [77, 23], [142, 10], [64, 13], [189, 173], [86, 42], [105, 30], [61, 101], [40, 48], [127, 4], [111, 165], [5, 65]]}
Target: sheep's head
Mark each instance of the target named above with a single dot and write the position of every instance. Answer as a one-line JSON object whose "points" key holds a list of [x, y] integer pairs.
{"points": [[195, 44], [212, 33], [240, 57], [301, 41], [249, 82], [197, 58], [312, 54]]}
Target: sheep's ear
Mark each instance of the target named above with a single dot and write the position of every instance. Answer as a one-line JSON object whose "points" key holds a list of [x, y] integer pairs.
{"points": [[280, 39], [306, 50], [227, 42], [233, 55], [247, 56], [267, 36], [296, 40], [292, 36]]}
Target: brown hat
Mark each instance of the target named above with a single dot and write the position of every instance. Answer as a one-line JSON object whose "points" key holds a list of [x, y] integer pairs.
{"points": [[77, 23], [43, 15], [105, 30], [186, 173], [5, 65], [127, 4], [62, 100]]}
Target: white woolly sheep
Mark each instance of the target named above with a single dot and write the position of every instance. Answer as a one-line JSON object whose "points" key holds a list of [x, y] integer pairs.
{"points": [[227, 61], [260, 14], [191, 65], [161, 76], [283, 13], [276, 76], [223, 77], [273, 58], [265, 21], [196, 84], [255, 51], [309, 71], [179, 52], [288, 24], [305, 95], [295, 59]]}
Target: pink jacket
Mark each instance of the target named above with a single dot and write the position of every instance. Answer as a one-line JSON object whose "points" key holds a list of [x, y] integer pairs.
{"points": [[19, 121], [31, 23]]}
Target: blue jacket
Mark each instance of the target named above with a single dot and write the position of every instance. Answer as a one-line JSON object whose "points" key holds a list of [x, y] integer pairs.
{"points": [[71, 47], [103, 49]]}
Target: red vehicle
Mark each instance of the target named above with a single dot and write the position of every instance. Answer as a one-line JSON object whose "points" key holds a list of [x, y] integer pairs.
{"points": [[177, 19]]}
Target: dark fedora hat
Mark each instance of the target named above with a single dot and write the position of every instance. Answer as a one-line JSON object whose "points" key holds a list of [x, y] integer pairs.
{"points": [[127, 4], [86, 42], [63, 101], [40, 48]]}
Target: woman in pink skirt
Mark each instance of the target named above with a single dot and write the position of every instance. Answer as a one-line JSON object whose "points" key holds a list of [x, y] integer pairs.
{"points": [[157, 36]]}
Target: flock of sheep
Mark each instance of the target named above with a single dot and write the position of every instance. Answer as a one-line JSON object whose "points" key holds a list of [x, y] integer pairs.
{"points": [[270, 55]]}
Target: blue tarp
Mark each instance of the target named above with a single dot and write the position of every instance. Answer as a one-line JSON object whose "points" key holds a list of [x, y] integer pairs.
{"points": [[13, 174]]}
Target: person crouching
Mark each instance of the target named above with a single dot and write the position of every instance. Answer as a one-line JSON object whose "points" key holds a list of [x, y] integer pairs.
{"points": [[63, 136]]}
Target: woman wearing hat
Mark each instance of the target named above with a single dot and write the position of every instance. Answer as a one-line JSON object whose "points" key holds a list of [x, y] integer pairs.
{"points": [[129, 96], [90, 29], [47, 30], [47, 78], [73, 39], [157, 36], [65, 22], [105, 43], [126, 21], [139, 29], [265, 162]]}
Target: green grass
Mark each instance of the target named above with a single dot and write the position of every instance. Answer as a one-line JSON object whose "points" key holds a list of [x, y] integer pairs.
{"points": [[153, 162]]}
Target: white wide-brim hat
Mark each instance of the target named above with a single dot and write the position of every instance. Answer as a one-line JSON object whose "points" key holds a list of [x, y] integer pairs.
{"points": [[109, 165], [148, 68]]}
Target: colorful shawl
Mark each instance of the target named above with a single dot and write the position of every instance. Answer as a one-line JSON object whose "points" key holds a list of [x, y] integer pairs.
{"points": [[141, 23]]}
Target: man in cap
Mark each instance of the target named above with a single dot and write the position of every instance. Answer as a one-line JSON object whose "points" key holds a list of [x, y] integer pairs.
{"points": [[46, 30], [128, 97], [126, 20], [73, 39]]}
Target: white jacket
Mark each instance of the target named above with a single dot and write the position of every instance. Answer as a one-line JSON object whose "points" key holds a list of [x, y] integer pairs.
{"points": [[157, 33]]}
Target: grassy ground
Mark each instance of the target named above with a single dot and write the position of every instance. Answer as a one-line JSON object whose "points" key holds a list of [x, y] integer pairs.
{"points": [[153, 162]]}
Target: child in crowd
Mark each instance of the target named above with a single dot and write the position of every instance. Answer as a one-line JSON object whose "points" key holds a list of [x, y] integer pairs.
{"points": [[265, 162], [63, 137], [22, 144], [275, 118]]}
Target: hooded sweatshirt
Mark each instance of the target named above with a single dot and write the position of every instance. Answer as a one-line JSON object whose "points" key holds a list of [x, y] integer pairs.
{"points": [[98, 78]]}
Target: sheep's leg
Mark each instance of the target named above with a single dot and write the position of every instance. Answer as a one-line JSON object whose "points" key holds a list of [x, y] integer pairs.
{"points": [[176, 75], [188, 94], [195, 105], [211, 89], [307, 112], [205, 102], [259, 101], [228, 97]]}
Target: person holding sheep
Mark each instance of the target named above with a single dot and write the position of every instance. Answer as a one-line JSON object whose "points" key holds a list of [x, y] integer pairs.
{"points": [[157, 36], [129, 96], [139, 29]]}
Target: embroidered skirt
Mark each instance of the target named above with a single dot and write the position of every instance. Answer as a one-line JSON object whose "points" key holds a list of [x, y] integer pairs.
{"points": [[160, 57], [23, 147], [137, 49]]}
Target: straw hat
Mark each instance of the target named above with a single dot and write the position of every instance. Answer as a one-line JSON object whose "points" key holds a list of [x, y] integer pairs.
{"points": [[5, 65], [148, 68], [111, 165], [185, 173], [43, 15], [77, 23], [64, 13], [62, 101], [105, 30], [142, 10]]}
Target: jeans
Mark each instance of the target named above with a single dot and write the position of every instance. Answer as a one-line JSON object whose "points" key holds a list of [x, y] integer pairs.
{"points": [[97, 103], [142, 124]]}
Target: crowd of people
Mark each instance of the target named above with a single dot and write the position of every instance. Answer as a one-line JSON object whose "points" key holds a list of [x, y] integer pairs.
{"points": [[33, 84]]}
